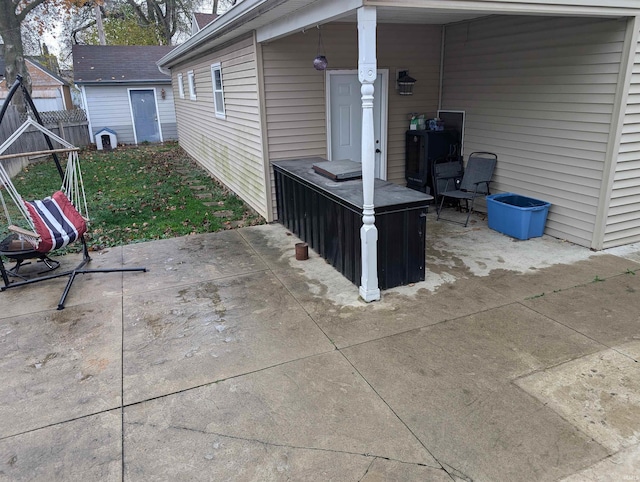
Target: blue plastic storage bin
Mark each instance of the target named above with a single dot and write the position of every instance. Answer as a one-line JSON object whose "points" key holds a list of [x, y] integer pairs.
{"points": [[517, 216]]}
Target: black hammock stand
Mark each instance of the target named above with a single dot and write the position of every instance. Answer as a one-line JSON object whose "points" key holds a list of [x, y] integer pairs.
{"points": [[19, 245]]}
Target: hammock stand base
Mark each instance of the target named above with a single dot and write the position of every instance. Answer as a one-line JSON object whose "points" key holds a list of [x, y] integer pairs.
{"points": [[6, 274], [12, 249]]}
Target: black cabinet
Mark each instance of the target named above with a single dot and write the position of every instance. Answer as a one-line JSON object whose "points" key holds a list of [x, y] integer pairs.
{"points": [[328, 215], [423, 148]]}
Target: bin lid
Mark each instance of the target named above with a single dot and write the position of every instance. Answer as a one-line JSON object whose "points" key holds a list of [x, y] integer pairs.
{"points": [[342, 170]]}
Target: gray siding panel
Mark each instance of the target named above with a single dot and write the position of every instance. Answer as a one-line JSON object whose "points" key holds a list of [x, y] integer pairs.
{"points": [[109, 107], [230, 148], [623, 221], [540, 93]]}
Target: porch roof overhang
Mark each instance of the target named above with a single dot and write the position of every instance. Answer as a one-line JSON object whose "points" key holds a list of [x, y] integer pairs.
{"points": [[123, 82], [272, 19]]}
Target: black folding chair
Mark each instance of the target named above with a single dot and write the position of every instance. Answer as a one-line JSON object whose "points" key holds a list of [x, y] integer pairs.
{"points": [[447, 175], [475, 183]]}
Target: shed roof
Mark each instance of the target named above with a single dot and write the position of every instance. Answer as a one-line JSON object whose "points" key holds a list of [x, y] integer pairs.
{"points": [[109, 64]]}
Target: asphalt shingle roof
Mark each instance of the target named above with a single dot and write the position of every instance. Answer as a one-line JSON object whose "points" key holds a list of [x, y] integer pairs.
{"points": [[118, 63], [203, 19]]}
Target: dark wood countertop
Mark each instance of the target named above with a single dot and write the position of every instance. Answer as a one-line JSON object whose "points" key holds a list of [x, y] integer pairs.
{"points": [[388, 197]]}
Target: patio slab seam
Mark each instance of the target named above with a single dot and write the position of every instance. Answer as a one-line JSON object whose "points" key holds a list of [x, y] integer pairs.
{"points": [[597, 279], [298, 447], [286, 288], [578, 373], [225, 379], [199, 281], [441, 466], [425, 326], [61, 422], [122, 318]]}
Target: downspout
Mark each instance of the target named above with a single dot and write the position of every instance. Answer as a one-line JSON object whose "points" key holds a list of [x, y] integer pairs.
{"points": [[615, 131], [86, 111], [64, 101], [264, 133]]}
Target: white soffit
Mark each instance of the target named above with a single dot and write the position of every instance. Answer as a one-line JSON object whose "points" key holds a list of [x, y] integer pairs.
{"points": [[314, 14], [419, 16]]}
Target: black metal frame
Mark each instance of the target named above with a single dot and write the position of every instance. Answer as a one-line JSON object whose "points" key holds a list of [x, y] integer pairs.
{"points": [[451, 171], [22, 255], [462, 192]]}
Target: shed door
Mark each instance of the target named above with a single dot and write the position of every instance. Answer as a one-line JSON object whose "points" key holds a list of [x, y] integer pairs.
{"points": [[345, 118], [145, 115]]}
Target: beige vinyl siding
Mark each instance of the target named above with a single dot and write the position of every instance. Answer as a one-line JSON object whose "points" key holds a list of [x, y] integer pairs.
{"points": [[539, 92], [417, 48], [295, 93], [230, 148], [623, 222]]}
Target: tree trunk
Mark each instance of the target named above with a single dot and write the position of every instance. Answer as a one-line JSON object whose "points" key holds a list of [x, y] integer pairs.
{"points": [[99, 24], [13, 54]]}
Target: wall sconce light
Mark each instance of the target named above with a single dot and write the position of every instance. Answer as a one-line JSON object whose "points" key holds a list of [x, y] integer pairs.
{"points": [[405, 83], [163, 94]]}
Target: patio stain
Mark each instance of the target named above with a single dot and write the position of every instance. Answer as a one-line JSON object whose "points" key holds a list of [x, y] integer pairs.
{"points": [[41, 363], [155, 324], [98, 364], [196, 300], [442, 262]]}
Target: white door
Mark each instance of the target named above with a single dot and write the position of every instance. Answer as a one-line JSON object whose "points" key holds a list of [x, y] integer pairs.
{"points": [[344, 116]]}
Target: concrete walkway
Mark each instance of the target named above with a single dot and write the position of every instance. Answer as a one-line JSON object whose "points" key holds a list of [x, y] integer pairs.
{"points": [[230, 360]]}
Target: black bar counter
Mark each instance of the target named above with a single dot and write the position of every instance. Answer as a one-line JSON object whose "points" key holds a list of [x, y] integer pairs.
{"points": [[327, 215]]}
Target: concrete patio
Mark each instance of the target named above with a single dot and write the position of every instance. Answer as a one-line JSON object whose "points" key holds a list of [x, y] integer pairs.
{"points": [[230, 360]]}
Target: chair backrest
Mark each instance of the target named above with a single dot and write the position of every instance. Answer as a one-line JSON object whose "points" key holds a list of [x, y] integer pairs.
{"points": [[480, 167], [56, 221], [447, 176]]}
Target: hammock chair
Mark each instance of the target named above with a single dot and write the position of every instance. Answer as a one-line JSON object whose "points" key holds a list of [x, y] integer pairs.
{"points": [[51, 223]]}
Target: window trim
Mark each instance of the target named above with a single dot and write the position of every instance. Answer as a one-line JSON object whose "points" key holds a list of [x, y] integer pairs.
{"points": [[181, 85], [192, 85], [220, 111]]}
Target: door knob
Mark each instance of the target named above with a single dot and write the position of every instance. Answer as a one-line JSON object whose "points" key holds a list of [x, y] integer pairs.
{"points": [[378, 151]]}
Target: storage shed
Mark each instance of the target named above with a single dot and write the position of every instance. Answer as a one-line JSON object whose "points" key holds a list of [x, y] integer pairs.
{"points": [[123, 90]]}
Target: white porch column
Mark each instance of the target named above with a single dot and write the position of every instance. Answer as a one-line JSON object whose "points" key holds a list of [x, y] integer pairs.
{"points": [[367, 73]]}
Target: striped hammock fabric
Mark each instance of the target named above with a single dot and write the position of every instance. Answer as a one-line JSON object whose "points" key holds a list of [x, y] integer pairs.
{"points": [[56, 221]]}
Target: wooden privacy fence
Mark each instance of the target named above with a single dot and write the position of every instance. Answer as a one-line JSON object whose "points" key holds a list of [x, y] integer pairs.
{"points": [[71, 125]]}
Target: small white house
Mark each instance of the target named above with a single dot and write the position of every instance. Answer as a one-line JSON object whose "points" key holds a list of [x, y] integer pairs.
{"points": [[123, 91]]}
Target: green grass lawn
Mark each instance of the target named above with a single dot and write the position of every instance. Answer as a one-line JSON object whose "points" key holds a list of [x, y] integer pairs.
{"points": [[143, 193]]}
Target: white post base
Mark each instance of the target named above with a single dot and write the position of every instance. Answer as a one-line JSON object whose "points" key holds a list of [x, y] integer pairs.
{"points": [[369, 290], [369, 296]]}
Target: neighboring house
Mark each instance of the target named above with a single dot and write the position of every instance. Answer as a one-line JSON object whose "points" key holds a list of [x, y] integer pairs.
{"points": [[552, 88], [123, 90], [49, 91], [201, 20]]}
